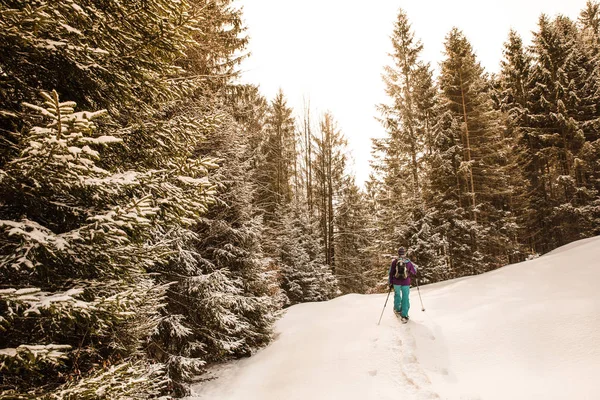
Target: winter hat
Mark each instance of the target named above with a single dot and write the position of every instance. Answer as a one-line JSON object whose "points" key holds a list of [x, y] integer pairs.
{"points": [[401, 251]]}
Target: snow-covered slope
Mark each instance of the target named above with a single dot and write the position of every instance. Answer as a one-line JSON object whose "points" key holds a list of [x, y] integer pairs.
{"points": [[525, 331]]}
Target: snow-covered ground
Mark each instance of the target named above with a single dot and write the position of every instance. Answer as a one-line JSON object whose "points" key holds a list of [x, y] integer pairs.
{"points": [[525, 331]]}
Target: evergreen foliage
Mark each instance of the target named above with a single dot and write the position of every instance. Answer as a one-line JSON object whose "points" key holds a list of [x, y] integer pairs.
{"points": [[161, 232], [329, 165], [222, 297], [304, 274], [477, 166], [101, 55], [74, 253], [278, 148], [405, 157], [131, 209], [475, 170], [352, 241], [562, 104]]}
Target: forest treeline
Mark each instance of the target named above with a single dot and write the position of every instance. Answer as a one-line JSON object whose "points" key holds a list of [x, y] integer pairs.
{"points": [[156, 215]]}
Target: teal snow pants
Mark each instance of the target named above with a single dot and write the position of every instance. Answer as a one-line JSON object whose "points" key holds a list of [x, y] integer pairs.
{"points": [[401, 301]]}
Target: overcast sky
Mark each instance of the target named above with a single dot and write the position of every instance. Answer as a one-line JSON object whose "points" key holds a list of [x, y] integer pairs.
{"points": [[333, 51]]}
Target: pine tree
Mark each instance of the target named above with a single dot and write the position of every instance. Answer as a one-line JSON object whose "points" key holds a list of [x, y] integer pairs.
{"points": [[404, 153], [220, 42], [402, 119], [511, 91], [562, 105], [113, 56], [222, 294], [589, 20], [514, 79], [160, 114], [75, 251], [304, 274], [353, 262], [470, 148], [328, 165], [278, 149], [376, 277], [222, 297]]}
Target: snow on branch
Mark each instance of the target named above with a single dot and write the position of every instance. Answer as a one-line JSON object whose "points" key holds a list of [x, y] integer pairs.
{"points": [[31, 356]]}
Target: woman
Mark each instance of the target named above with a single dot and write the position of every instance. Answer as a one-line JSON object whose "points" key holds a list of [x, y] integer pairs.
{"points": [[399, 279]]}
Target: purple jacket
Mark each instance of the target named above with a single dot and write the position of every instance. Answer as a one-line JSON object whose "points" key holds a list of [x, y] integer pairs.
{"points": [[412, 270]]}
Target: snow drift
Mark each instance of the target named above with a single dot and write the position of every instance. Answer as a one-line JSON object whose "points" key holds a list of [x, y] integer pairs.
{"points": [[526, 331]]}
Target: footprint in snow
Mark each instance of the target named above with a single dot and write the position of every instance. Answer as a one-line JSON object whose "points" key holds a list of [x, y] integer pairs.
{"points": [[410, 359], [428, 396]]}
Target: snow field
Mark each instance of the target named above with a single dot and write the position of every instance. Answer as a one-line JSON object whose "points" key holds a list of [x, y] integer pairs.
{"points": [[526, 331]]}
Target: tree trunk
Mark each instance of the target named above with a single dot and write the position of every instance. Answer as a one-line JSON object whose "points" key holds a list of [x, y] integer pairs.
{"points": [[462, 93]]}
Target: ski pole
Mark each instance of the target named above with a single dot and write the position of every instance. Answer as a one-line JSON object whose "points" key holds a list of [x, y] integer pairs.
{"points": [[386, 300], [422, 308]]}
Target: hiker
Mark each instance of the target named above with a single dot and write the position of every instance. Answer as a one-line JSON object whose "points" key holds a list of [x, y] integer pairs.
{"points": [[400, 272]]}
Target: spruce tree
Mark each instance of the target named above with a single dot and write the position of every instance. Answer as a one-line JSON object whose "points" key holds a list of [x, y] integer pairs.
{"points": [[562, 109], [329, 168], [113, 56], [129, 58], [511, 92], [353, 262], [77, 303], [222, 297], [470, 148], [223, 292], [589, 21], [278, 149], [304, 274], [403, 154]]}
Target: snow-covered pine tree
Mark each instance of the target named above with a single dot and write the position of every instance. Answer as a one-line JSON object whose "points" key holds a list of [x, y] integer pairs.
{"points": [[278, 150], [304, 275], [378, 258], [589, 26], [514, 79], [401, 118], [77, 306], [222, 298], [470, 140], [511, 97], [290, 239], [329, 165], [589, 23], [562, 108], [219, 45], [352, 242], [403, 154], [140, 57], [102, 55], [426, 244]]}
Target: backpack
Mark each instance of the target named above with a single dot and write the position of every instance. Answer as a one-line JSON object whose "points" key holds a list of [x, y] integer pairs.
{"points": [[401, 270]]}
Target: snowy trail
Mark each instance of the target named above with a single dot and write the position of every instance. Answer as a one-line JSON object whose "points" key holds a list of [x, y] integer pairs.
{"points": [[525, 331], [331, 350]]}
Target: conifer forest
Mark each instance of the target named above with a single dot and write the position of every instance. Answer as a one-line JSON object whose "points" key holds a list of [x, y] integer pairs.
{"points": [[157, 216]]}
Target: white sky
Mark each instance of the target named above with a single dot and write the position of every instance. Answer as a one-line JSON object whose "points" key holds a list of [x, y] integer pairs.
{"points": [[333, 51]]}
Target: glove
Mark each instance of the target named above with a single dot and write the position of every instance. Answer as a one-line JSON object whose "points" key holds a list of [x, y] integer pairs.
{"points": [[391, 286]]}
